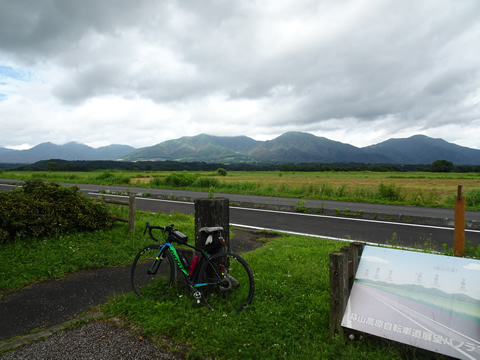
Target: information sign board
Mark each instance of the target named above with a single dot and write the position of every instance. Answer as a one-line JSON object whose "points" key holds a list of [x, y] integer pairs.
{"points": [[424, 300]]}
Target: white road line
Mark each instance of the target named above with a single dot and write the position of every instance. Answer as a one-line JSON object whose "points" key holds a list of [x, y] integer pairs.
{"points": [[297, 233], [354, 219], [303, 214]]}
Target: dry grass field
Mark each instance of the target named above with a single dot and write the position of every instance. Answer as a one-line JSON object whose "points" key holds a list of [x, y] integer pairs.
{"points": [[412, 188]]}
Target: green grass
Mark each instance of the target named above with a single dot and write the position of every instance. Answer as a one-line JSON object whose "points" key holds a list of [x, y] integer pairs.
{"points": [[26, 261], [288, 319]]}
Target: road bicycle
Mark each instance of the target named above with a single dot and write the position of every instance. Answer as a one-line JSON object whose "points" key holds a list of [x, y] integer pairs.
{"points": [[223, 281]]}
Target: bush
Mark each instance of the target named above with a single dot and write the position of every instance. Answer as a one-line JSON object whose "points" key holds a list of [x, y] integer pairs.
{"points": [[389, 192], [155, 181], [222, 172], [205, 182], [183, 179], [473, 198], [108, 177], [48, 209]]}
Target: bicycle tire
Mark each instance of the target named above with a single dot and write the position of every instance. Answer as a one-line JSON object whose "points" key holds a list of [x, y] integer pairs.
{"points": [[230, 290], [152, 283]]}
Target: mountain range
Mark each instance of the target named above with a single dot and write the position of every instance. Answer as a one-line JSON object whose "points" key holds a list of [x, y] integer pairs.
{"points": [[291, 147], [68, 151], [298, 147]]}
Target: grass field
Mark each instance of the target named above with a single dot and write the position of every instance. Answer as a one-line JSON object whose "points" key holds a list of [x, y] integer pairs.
{"points": [[288, 318], [407, 188]]}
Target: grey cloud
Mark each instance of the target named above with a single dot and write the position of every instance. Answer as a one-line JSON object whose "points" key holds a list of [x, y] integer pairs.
{"points": [[34, 30], [410, 61]]}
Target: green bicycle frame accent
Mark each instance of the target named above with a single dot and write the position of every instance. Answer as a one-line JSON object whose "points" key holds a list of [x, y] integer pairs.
{"points": [[174, 253]]}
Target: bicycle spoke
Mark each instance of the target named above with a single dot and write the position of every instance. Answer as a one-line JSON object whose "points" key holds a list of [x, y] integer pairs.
{"points": [[228, 283], [152, 275]]}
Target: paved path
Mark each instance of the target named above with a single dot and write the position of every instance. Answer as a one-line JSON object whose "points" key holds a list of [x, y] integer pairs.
{"points": [[52, 302]]}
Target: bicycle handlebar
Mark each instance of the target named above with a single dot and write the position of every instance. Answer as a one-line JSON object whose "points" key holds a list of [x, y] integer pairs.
{"points": [[173, 234]]}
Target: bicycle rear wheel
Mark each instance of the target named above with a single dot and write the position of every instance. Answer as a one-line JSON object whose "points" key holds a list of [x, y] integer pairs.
{"points": [[152, 273], [226, 283]]}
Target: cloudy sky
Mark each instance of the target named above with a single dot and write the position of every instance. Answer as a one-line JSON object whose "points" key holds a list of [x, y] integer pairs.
{"points": [[140, 72]]}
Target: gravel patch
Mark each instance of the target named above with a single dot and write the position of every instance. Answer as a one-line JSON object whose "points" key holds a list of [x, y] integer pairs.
{"points": [[96, 340]]}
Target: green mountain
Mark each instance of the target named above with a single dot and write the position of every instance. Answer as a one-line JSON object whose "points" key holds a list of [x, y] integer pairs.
{"points": [[69, 151], [298, 147], [202, 147], [287, 148], [291, 147], [421, 149]]}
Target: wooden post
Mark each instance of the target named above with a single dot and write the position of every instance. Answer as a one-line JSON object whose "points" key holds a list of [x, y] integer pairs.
{"points": [[459, 223], [131, 212], [351, 266], [210, 213], [338, 292], [343, 267], [358, 253]]}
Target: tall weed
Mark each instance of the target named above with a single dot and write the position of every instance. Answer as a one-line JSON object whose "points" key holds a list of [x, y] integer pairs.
{"points": [[206, 182], [473, 198], [389, 192]]}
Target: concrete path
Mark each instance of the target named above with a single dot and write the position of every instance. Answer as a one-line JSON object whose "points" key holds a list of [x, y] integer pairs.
{"points": [[54, 302]]}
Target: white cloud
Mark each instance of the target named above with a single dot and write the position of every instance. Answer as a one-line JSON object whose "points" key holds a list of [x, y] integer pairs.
{"points": [[359, 72]]}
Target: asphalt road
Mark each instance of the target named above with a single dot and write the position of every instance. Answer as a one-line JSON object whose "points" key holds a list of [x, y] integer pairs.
{"points": [[403, 225], [325, 226]]}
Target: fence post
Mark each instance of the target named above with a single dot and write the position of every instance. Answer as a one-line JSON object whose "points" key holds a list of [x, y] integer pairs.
{"points": [[338, 292], [131, 212], [212, 212], [459, 224]]}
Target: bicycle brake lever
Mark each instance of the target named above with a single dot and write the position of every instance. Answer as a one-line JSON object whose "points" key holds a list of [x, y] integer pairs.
{"points": [[147, 225]]}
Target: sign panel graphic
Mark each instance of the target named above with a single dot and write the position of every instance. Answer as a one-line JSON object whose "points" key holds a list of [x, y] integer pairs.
{"points": [[424, 300]]}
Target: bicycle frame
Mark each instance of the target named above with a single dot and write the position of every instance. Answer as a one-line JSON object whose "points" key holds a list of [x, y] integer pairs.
{"points": [[191, 280], [221, 280]]}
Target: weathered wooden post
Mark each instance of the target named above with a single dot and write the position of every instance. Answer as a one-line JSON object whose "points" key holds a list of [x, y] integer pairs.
{"points": [[351, 265], [459, 224], [131, 212], [211, 213], [343, 267], [338, 292], [358, 246]]}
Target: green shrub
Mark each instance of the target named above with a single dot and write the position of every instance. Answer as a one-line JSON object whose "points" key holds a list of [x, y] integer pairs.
{"points": [[107, 174], [326, 190], [41, 209], [183, 179], [155, 181], [472, 198], [389, 192], [222, 172], [206, 182], [108, 177]]}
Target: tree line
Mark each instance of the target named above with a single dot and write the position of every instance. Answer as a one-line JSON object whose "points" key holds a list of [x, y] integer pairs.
{"points": [[167, 165]]}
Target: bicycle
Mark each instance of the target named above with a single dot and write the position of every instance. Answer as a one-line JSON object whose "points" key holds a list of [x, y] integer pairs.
{"points": [[222, 281]]}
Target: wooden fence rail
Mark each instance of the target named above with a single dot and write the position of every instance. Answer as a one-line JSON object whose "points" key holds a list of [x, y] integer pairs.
{"points": [[343, 266], [131, 210]]}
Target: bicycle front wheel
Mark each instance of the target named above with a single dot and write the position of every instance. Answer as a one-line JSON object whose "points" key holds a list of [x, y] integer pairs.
{"points": [[153, 272], [226, 283]]}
